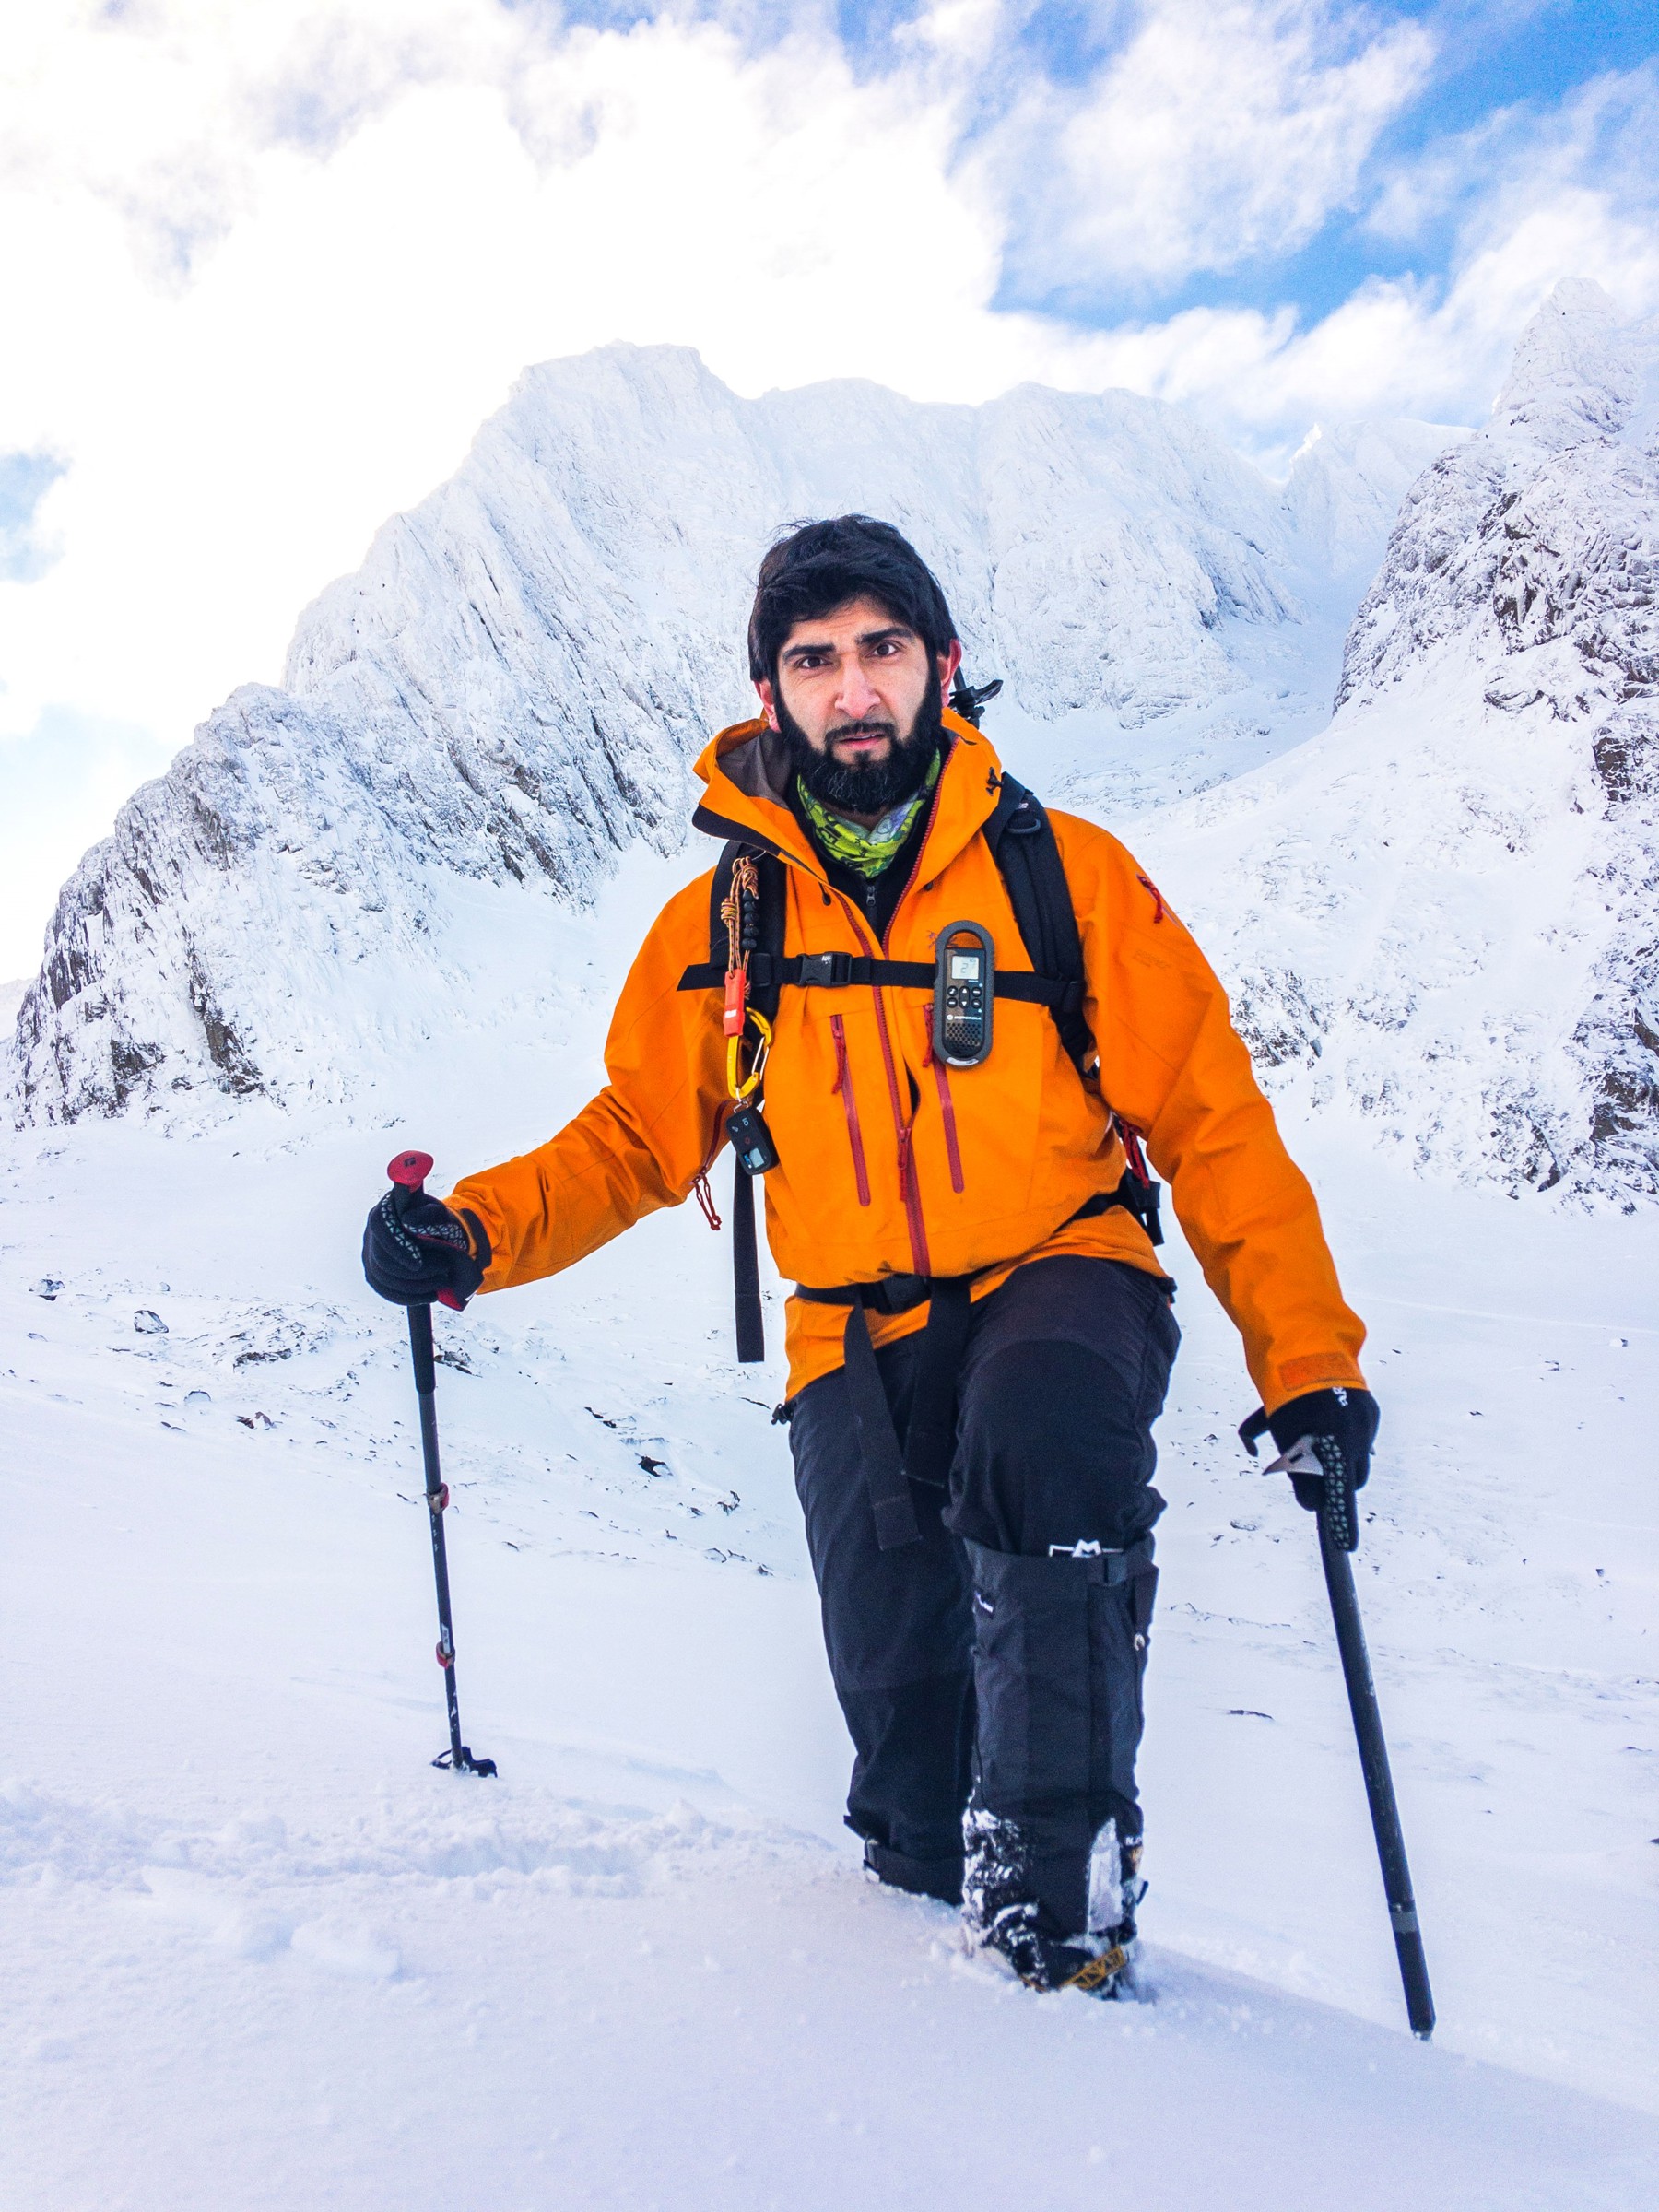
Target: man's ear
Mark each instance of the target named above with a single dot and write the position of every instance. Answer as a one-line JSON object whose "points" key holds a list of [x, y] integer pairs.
{"points": [[768, 706], [949, 664]]}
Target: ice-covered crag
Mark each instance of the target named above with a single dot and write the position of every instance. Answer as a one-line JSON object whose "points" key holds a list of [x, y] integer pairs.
{"points": [[508, 692], [1445, 911]]}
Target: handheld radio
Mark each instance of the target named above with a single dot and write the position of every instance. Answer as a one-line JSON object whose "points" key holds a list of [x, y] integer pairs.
{"points": [[964, 993]]}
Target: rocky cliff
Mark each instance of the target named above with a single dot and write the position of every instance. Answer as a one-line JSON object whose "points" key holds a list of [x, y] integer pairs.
{"points": [[1444, 911]]}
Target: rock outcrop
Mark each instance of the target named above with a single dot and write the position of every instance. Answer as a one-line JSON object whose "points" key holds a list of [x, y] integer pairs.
{"points": [[1444, 911]]}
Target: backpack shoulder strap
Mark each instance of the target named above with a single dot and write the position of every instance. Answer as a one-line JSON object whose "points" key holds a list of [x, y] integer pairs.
{"points": [[766, 961], [1023, 845], [766, 975]]}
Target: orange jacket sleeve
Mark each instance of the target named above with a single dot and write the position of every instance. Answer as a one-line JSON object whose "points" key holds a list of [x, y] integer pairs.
{"points": [[637, 1146], [1175, 1068]]}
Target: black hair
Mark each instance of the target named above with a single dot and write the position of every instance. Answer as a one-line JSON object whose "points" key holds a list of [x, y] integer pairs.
{"points": [[821, 565]]}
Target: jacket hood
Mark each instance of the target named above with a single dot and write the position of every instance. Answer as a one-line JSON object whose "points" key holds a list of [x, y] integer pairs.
{"points": [[747, 770]]}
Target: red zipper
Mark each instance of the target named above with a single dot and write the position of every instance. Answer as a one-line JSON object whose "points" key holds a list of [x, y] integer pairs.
{"points": [[843, 1084], [920, 1264], [947, 1108]]}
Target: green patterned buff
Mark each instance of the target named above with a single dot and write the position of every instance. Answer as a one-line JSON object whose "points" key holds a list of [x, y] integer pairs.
{"points": [[866, 851]]}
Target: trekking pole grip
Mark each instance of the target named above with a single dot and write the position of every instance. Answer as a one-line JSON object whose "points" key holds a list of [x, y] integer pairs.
{"points": [[409, 1171]]}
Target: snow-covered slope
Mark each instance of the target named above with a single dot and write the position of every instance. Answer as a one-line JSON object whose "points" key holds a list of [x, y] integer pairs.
{"points": [[508, 691], [1444, 912], [260, 1957]]}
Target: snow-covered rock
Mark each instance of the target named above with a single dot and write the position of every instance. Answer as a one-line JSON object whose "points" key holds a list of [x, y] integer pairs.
{"points": [[508, 691], [1446, 910]]}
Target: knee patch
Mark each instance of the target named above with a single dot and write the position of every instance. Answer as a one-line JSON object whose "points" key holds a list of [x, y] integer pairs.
{"points": [[1055, 1449]]}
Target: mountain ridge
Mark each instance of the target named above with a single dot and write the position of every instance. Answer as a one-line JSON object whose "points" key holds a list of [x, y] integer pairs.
{"points": [[1444, 911], [508, 691]]}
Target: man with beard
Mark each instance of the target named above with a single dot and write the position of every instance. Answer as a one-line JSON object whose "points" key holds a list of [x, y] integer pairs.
{"points": [[939, 1023]]}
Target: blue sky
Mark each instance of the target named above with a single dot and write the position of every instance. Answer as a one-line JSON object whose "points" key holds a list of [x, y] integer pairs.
{"points": [[1498, 77], [25, 479], [1502, 75]]}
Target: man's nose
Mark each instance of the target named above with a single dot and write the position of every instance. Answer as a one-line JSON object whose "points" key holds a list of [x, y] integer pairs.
{"points": [[855, 696]]}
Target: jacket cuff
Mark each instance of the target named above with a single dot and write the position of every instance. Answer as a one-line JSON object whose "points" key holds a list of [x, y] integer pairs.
{"points": [[1296, 1378]]}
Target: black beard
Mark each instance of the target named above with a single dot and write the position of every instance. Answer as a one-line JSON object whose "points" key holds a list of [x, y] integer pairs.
{"points": [[866, 786]]}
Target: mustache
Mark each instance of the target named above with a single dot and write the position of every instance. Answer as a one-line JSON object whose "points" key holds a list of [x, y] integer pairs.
{"points": [[869, 727]]}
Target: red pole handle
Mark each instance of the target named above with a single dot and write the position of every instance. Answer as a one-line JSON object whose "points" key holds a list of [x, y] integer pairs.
{"points": [[410, 1170]]}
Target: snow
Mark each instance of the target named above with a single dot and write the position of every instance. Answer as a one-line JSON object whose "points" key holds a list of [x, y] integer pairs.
{"points": [[1442, 910], [261, 1953], [507, 694]]}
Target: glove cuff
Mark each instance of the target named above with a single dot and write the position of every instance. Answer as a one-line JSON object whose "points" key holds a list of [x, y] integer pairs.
{"points": [[472, 1266]]}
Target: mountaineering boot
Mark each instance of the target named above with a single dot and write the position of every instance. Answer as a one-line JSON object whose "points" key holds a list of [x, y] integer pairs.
{"points": [[1052, 1832], [1000, 1915]]}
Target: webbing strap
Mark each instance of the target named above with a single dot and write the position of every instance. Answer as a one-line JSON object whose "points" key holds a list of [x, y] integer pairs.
{"points": [[1022, 843], [746, 1269], [930, 1441], [899, 1293], [847, 970], [877, 1438]]}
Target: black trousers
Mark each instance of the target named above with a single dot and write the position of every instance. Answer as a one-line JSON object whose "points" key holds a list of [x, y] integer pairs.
{"points": [[996, 1648]]}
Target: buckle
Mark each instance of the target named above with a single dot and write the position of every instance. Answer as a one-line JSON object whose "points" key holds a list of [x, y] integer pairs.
{"points": [[828, 971]]}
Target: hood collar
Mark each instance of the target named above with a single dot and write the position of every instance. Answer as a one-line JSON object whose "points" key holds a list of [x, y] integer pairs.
{"points": [[747, 770]]}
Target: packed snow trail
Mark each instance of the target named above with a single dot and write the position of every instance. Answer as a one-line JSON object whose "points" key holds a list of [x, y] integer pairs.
{"points": [[262, 1955]]}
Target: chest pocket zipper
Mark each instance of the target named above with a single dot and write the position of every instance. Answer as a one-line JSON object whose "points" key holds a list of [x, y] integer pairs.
{"points": [[947, 1109], [849, 1098]]}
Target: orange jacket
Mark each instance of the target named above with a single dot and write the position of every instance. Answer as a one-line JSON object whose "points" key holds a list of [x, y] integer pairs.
{"points": [[892, 1164]]}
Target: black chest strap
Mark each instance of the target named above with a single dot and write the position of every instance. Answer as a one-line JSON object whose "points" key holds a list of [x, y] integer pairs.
{"points": [[770, 973]]}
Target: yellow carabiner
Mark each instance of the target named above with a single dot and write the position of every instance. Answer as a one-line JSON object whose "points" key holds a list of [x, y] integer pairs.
{"points": [[743, 1088], [764, 1051]]}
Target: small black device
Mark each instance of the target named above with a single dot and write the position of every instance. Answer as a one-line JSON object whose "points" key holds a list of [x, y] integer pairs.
{"points": [[964, 991], [751, 1140], [969, 701]]}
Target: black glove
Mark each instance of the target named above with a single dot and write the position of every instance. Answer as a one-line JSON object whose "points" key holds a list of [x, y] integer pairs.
{"points": [[1348, 1416], [415, 1250], [1342, 1426]]}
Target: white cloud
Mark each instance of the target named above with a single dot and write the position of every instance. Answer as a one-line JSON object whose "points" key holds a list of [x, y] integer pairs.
{"points": [[249, 349], [1222, 130], [1572, 195], [266, 267]]}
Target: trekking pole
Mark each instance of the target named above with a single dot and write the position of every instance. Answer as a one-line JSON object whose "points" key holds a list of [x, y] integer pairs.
{"points": [[1320, 1459], [410, 1170]]}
